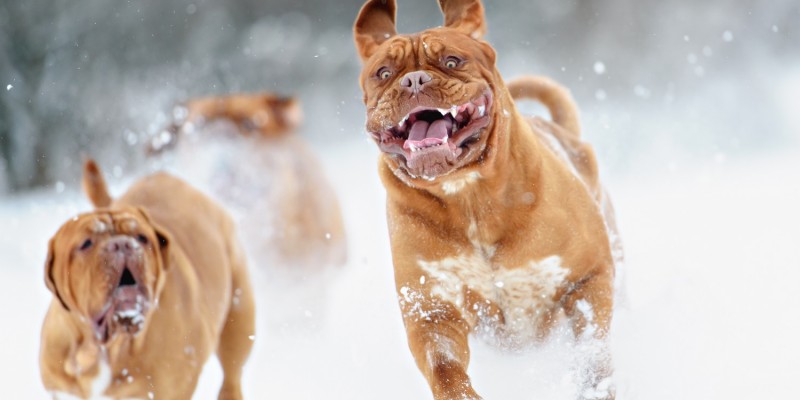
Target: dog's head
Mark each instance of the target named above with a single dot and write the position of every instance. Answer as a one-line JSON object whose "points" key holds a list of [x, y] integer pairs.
{"points": [[263, 113], [107, 267], [430, 96]]}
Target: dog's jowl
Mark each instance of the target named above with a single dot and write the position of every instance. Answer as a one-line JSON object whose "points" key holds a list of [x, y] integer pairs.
{"points": [[498, 222]]}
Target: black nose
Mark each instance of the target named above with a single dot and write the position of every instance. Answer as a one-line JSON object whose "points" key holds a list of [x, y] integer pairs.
{"points": [[127, 278]]}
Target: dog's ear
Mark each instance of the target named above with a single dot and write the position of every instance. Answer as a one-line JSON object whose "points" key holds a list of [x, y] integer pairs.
{"points": [[48, 272], [374, 25], [465, 16], [162, 236]]}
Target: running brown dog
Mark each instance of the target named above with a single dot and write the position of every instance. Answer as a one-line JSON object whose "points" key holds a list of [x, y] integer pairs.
{"points": [[145, 288], [498, 223], [292, 197]]}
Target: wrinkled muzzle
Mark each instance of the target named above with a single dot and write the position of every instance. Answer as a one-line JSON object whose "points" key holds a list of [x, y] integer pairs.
{"points": [[129, 298]]}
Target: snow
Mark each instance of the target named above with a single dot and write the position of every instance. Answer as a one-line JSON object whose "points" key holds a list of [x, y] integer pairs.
{"points": [[710, 312], [701, 171], [727, 36], [641, 91], [599, 68]]}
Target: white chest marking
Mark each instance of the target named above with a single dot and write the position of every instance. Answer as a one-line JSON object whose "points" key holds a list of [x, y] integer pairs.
{"points": [[102, 380], [523, 293], [454, 186]]}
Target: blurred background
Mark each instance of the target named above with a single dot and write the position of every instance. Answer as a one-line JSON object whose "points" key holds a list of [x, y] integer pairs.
{"points": [[693, 108], [676, 81]]}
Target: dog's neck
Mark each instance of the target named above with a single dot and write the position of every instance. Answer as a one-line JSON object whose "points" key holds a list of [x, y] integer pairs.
{"points": [[90, 351]]}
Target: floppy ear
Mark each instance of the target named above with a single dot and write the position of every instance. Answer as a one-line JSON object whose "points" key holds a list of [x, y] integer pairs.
{"points": [[162, 236], [374, 25], [48, 273], [465, 16]]}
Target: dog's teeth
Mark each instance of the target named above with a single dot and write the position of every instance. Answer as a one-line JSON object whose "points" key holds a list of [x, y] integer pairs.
{"points": [[454, 111], [443, 111], [403, 121], [481, 110]]}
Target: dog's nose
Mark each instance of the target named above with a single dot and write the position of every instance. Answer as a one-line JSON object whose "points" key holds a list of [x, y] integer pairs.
{"points": [[415, 81], [124, 244]]}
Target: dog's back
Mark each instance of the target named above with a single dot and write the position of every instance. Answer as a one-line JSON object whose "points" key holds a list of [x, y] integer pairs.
{"points": [[268, 176], [562, 134]]}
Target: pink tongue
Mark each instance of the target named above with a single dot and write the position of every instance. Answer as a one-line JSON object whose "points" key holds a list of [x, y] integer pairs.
{"points": [[423, 134]]}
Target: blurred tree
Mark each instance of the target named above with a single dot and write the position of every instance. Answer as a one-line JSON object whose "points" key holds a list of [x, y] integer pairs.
{"points": [[100, 77]]}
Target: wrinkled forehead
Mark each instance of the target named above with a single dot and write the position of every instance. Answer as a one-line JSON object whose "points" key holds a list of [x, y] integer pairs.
{"points": [[429, 45], [102, 222]]}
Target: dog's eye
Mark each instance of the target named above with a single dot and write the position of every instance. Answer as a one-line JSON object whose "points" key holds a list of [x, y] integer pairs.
{"points": [[142, 239], [452, 62], [86, 244], [384, 73]]}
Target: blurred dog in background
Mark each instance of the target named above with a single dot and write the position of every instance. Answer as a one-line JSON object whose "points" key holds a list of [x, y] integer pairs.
{"points": [[244, 149]]}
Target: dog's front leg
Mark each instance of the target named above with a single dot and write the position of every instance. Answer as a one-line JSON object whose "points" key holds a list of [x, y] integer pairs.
{"points": [[589, 307], [432, 295], [437, 337]]}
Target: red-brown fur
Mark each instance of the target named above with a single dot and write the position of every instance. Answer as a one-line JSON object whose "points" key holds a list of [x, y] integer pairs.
{"points": [[196, 277], [509, 200]]}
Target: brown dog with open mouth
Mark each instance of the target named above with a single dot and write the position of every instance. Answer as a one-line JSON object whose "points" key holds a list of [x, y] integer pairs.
{"points": [[145, 288], [498, 223]]}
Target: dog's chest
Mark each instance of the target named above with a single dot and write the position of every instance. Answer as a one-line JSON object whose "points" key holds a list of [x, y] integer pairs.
{"points": [[524, 292], [97, 385]]}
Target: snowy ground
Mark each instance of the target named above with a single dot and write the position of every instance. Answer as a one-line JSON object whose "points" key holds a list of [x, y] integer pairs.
{"points": [[712, 310]]}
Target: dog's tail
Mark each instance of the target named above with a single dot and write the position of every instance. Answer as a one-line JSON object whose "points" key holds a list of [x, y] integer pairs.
{"points": [[556, 97], [94, 185]]}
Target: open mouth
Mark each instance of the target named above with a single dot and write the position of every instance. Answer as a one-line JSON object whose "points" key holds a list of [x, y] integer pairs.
{"points": [[431, 138], [125, 309]]}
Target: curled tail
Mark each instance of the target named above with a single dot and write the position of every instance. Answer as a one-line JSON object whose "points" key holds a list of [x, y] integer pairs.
{"points": [[557, 99], [94, 185]]}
